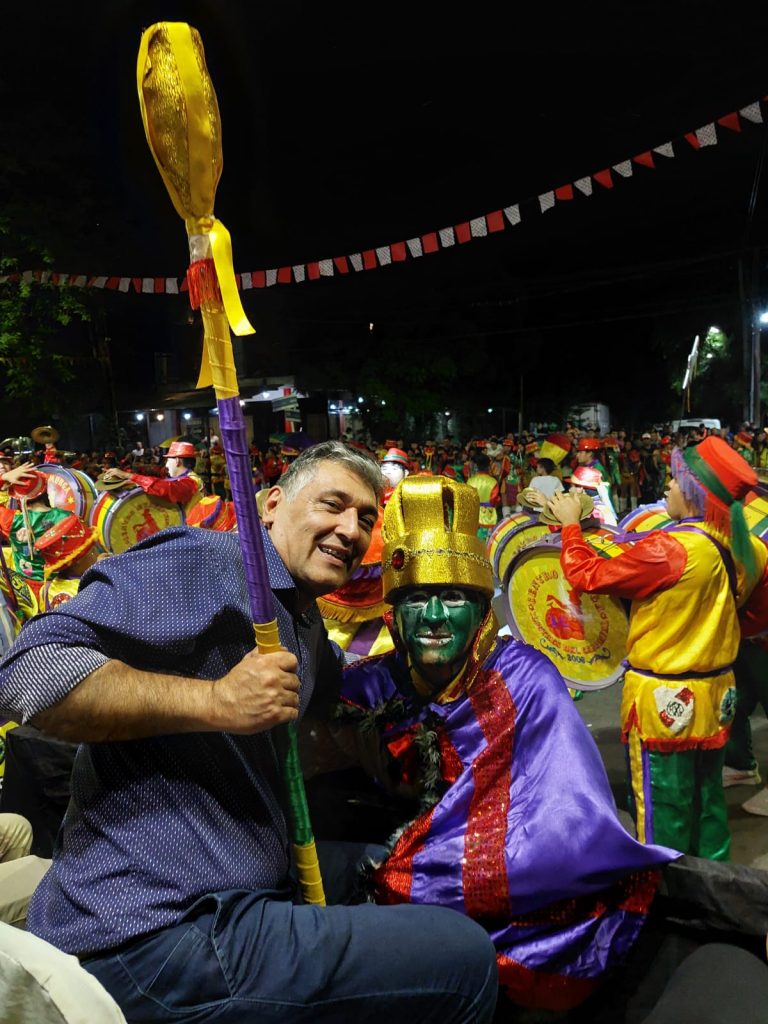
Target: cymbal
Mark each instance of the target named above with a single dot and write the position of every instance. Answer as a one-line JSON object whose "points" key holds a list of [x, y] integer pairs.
{"points": [[45, 435]]}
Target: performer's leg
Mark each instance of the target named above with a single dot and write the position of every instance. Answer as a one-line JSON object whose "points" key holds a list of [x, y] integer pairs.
{"points": [[241, 956], [738, 751], [713, 838], [662, 788]]}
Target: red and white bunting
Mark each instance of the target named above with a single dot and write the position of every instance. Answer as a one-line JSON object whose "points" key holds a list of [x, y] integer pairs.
{"points": [[420, 245]]}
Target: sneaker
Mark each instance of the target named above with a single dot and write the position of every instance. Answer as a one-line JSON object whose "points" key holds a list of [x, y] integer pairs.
{"points": [[757, 804], [740, 777]]}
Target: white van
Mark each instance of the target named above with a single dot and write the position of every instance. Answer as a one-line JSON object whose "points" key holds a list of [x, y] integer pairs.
{"points": [[695, 422]]}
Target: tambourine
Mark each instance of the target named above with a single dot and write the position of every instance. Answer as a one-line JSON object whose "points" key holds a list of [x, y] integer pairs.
{"points": [[511, 535], [584, 635], [123, 518], [70, 489]]}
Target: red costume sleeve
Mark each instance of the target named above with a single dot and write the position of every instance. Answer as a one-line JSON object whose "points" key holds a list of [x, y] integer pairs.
{"points": [[652, 564], [6, 520], [180, 489], [753, 616]]}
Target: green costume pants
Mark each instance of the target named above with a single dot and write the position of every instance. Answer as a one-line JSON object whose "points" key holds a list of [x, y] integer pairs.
{"points": [[678, 800]]}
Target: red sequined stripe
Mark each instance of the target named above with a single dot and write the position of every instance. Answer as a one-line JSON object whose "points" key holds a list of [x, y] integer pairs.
{"points": [[392, 881], [639, 890], [486, 889], [540, 990], [450, 762]]}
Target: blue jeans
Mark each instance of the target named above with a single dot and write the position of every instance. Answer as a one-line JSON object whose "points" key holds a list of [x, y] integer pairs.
{"points": [[248, 957]]}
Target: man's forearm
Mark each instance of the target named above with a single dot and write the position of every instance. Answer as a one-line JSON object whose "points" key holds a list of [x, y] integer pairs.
{"points": [[117, 702]]}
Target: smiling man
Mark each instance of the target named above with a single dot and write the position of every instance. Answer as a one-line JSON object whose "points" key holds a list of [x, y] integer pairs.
{"points": [[513, 821], [171, 878]]}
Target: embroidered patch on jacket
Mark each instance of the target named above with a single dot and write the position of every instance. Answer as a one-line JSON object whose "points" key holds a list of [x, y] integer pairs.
{"points": [[728, 705], [675, 706]]}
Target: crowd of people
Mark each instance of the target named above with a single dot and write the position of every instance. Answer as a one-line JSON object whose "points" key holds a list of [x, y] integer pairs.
{"points": [[507, 868]]}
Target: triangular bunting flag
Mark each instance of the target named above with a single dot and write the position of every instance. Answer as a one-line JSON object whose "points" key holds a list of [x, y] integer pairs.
{"points": [[752, 113], [691, 137], [624, 168], [125, 284], [646, 159], [546, 201], [478, 227], [313, 270], [414, 247], [463, 232], [247, 280], [584, 185], [284, 275], [172, 285], [326, 268], [271, 277], [730, 121], [341, 264], [512, 213], [384, 256], [369, 259], [564, 193], [429, 242], [356, 260], [665, 149], [299, 273], [147, 285], [707, 135], [495, 220], [259, 279], [398, 252], [447, 237], [604, 178]]}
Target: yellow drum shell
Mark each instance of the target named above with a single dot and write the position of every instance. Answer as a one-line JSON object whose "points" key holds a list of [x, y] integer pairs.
{"points": [[510, 536], [123, 518]]}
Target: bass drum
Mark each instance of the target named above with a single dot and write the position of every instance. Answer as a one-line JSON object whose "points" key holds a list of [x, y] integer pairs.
{"points": [[756, 515], [510, 536], [70, 489], [646, 517], [583, 635], [123, 518]]}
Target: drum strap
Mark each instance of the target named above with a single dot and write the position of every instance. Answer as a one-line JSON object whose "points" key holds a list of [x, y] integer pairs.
{"points": [[725, 554]]}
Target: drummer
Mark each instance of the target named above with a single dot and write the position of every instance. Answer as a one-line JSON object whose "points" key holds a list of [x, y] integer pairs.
{"points": [[69, 548], [182, 486], [685, 584]]}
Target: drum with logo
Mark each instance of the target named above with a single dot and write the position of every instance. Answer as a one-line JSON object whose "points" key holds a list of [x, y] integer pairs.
{"points": [[213, 513], [584, 635], [756, 515], [645, 518], [123, 518], [70, 489], [510, 536]]}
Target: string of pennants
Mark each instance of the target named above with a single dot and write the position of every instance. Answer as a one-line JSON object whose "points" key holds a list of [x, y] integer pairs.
{"points": [[421, 245]]}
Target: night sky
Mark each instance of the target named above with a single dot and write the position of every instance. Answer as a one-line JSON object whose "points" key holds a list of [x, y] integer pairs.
{"points": [[352, 126]]}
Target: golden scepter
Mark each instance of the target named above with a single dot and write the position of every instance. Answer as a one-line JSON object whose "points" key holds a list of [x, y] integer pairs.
{"points": [[183, 129]]}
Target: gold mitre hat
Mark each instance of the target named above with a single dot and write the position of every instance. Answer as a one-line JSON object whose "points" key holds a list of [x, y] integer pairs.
{"points": [[430, 536]]}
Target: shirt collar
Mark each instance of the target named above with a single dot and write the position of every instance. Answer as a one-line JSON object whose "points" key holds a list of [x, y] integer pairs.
{"points": [[280, 579]]}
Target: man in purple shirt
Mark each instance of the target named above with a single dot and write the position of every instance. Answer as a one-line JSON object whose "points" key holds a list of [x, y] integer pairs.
{"points": [[171, 878]]}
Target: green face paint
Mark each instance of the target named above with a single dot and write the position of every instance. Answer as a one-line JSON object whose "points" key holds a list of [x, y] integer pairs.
{"points": [[437, 625]]}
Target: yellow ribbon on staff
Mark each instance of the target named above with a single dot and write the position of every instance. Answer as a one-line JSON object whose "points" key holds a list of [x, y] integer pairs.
{"points": [[181, 121]]}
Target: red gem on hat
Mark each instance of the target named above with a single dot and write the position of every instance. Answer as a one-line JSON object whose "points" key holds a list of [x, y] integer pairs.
{"points": [[398, 558]]}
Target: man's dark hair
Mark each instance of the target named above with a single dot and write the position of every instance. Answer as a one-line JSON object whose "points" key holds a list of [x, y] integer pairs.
{"points": [[188, 463], [304, 467], [548, 465], [482, 462]]}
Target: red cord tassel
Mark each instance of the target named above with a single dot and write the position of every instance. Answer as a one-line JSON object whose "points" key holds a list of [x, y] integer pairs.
{"points": [[203, 283]]}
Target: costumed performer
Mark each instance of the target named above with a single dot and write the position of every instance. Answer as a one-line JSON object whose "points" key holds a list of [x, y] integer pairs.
{"points": [[69, 548], [182, 486], [513, 823], [174, 849], [686, 584], [395, 466], [489, 494]]}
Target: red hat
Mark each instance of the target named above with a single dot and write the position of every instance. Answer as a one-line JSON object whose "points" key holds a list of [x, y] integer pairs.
{"points": [[65, 542], [585, 476], [611, 442], [666, 439], [743, 439], [398, 456], [30, 487], [724, 478], [181, 450], [589, 444]]}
